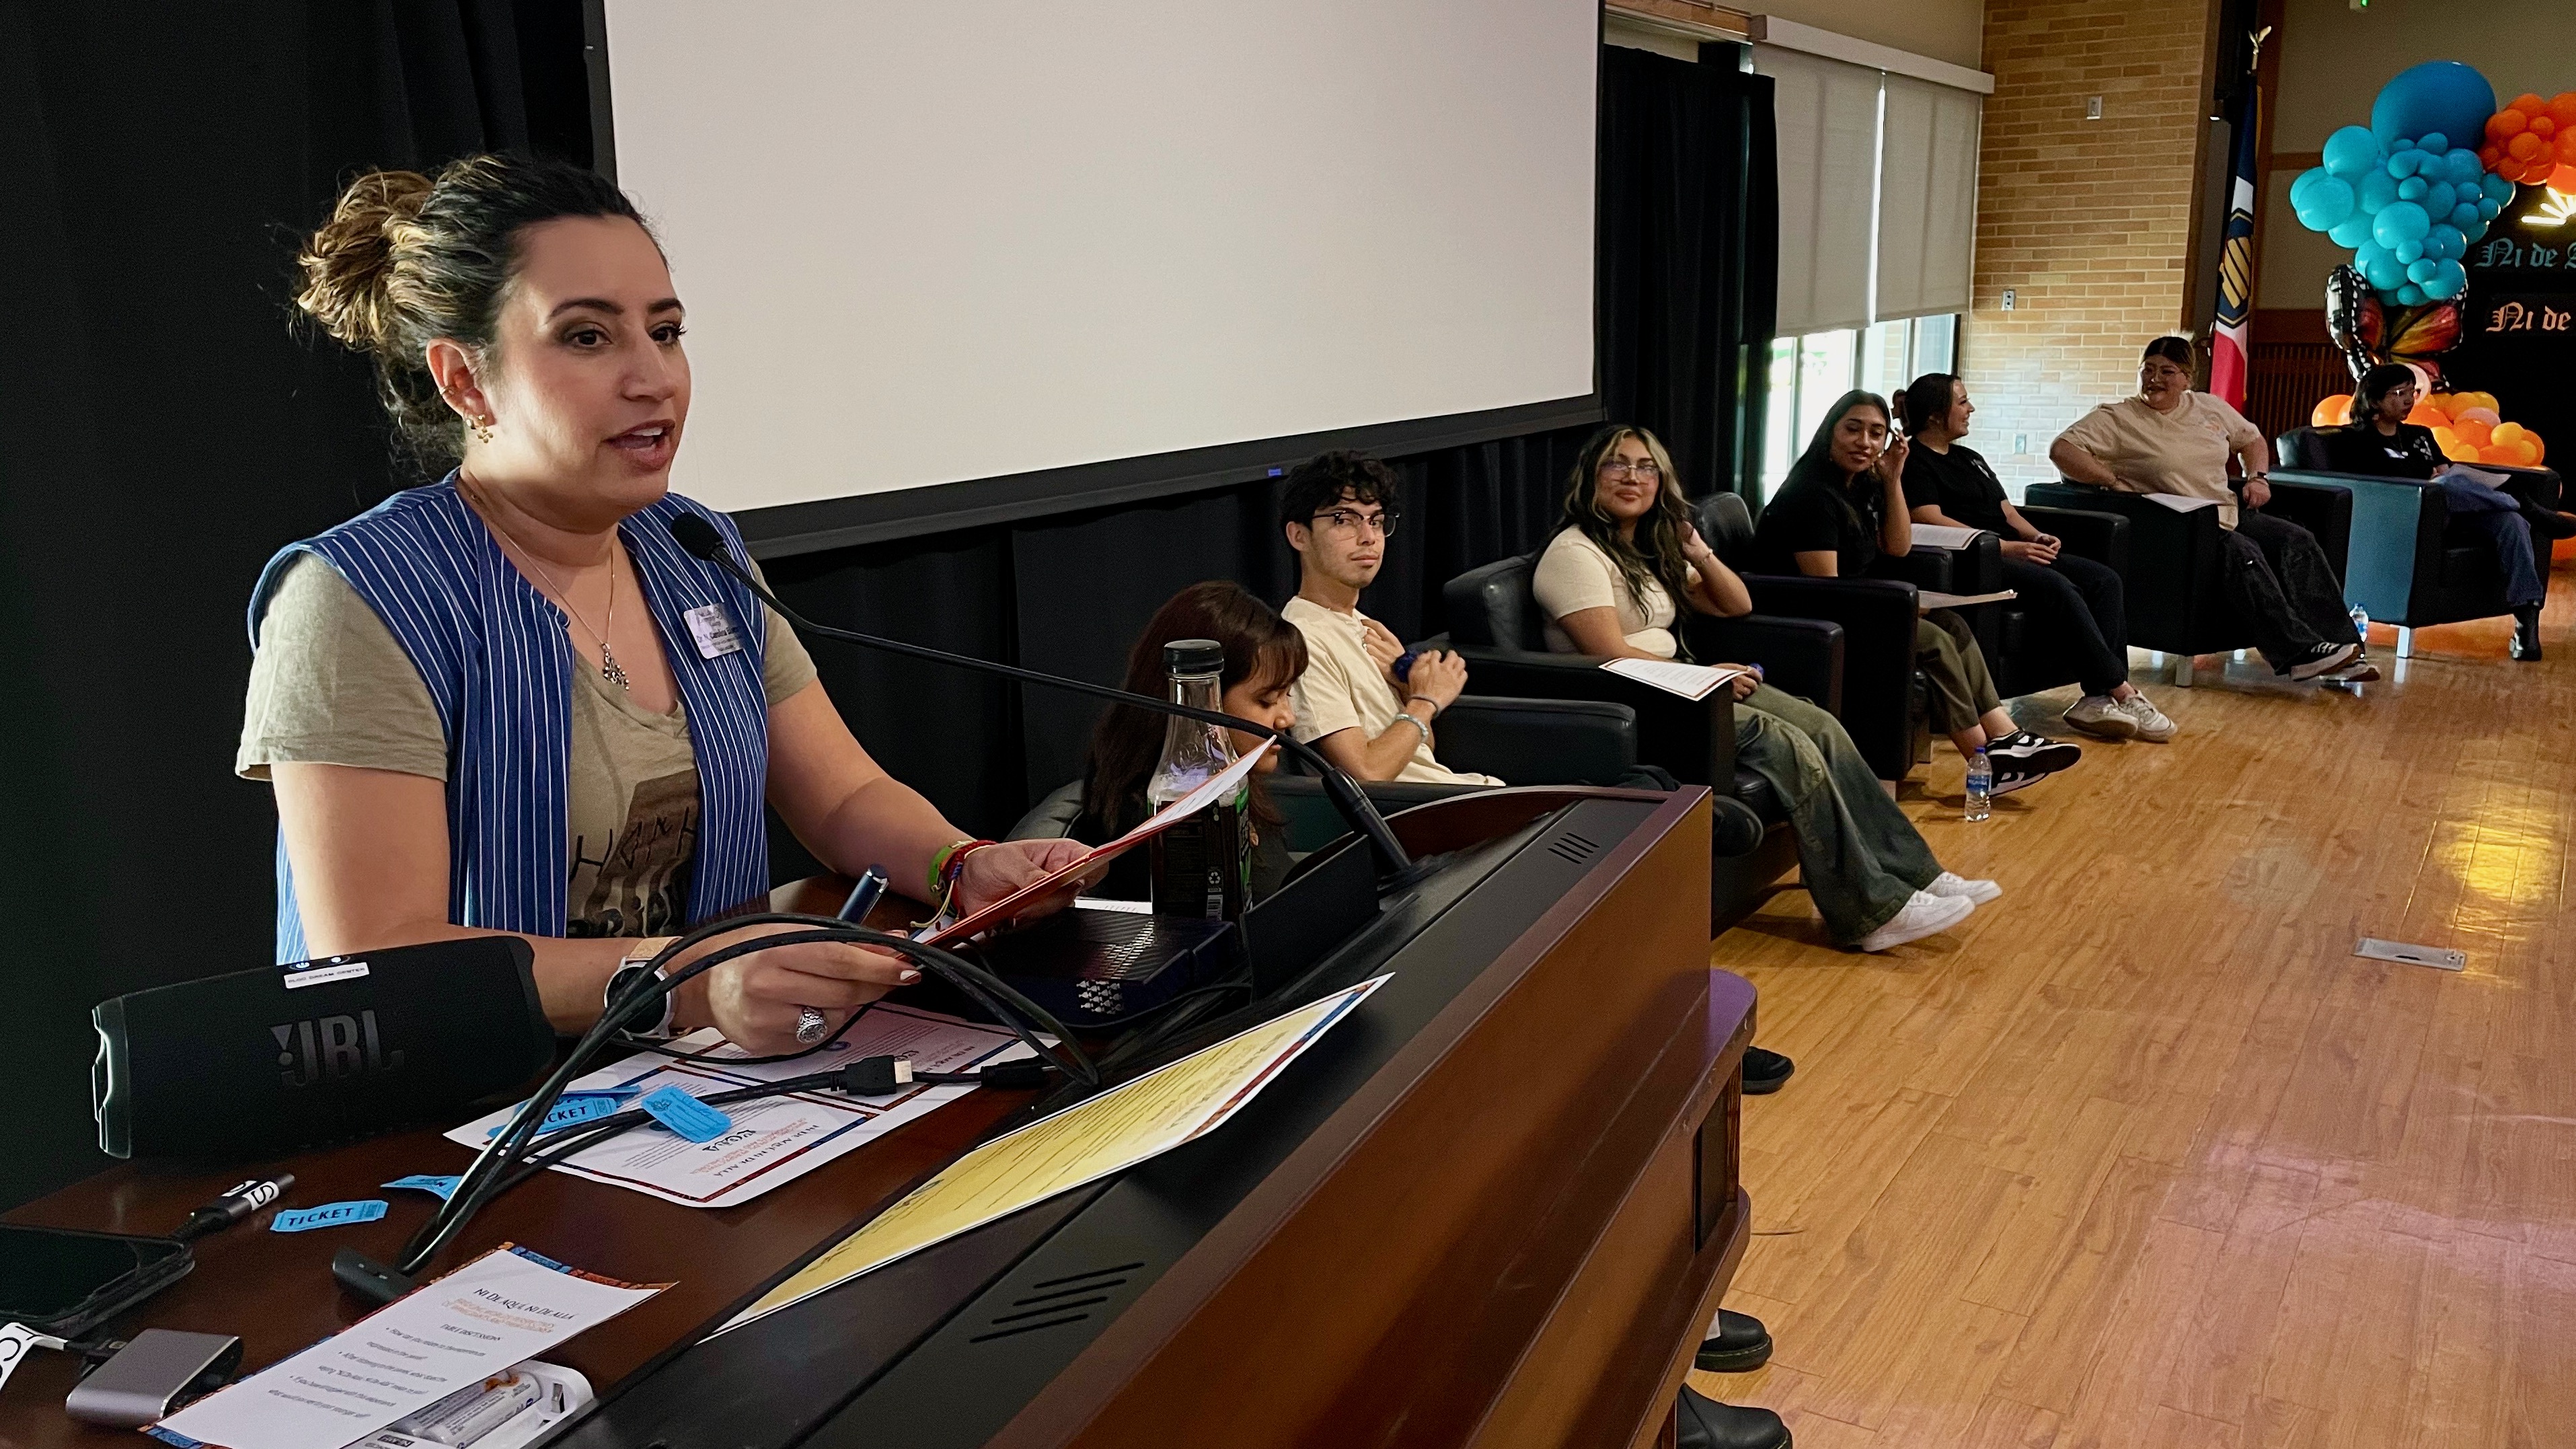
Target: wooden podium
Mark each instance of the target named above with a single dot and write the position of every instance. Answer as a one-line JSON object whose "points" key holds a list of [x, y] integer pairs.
{"points": [[1494, 1207]]}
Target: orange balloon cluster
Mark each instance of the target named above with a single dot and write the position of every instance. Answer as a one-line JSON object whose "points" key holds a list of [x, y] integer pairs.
{"points": [[2466, 425], [2534, 141]]}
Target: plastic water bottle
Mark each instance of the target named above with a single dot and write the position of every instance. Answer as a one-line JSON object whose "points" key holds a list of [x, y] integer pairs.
{"points": [[1981, 786], [1200, 867], [2361, 622]]}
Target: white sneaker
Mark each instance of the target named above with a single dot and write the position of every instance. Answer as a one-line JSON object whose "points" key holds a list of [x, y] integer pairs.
{"points": [[1974, 892], [2150, 722], [2100, 714], [1924, 915]]}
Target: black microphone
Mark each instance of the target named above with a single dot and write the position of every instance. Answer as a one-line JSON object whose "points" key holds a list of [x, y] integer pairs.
{"points": [[700, 538]]}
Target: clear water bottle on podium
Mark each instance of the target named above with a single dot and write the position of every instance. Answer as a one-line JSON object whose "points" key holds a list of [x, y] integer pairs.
{"points": [[1201, 866], [1981, 786]]}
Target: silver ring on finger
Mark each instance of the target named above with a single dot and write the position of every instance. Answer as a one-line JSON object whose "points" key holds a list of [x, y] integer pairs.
{"points": [[811, 1025]]}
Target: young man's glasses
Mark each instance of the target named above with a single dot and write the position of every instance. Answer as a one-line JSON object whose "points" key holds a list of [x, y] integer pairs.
{"points": [[1647, 470], [1343, 521]]}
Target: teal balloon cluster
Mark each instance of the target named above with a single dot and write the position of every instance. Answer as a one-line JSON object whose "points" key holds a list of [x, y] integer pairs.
{"points": [[2408, 205]]}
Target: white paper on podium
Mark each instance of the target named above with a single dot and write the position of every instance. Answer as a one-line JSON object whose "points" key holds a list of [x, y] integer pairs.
{"points": [[502, 1309]]}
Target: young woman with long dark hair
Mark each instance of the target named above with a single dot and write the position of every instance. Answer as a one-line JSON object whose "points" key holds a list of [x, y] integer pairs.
{"points": [[1264, 655], [1842, 506], [2079, 601]]}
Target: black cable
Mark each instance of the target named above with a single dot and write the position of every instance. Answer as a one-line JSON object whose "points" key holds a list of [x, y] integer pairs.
{"points": [[499, 1164]]}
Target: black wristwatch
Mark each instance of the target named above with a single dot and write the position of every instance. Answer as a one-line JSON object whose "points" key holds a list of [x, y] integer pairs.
{"points": [[638, 962]]}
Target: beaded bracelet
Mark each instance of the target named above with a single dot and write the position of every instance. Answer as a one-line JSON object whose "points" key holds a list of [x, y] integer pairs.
{"points": [[949, 862]]}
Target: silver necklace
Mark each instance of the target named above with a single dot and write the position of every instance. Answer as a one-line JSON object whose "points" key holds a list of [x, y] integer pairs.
{"points": [[609, 668]]}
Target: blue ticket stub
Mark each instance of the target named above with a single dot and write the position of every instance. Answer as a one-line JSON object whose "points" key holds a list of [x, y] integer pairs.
{"points": [[329, 1215], [443, 1187], [687, 1115], [574, 1108]]}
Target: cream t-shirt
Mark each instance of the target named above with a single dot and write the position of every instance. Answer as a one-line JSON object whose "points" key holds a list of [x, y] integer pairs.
{"points": [[1343, 688], [2181, 452], [1574, 574], [331, 685]]}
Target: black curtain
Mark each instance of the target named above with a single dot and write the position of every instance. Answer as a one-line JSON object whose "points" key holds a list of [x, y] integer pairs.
{"points": [[166, 430], [1689, 256]]}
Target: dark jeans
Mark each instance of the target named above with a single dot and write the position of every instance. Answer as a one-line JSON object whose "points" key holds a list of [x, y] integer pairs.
{"points": [[2279, 582], [2082, 610], [2497, 517]]}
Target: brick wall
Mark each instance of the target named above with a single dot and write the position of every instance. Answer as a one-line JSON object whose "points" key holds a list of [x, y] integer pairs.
{"points": [[2088, 221]]}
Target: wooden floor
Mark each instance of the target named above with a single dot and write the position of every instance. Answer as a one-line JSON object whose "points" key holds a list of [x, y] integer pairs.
{"points": [[2142, 1155]]}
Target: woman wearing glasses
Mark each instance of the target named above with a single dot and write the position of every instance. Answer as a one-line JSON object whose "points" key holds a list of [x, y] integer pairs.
{"points": [[1608, 583]]}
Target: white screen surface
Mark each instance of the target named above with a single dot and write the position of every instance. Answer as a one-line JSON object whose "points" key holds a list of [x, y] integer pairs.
{"points": [[927, 243]]}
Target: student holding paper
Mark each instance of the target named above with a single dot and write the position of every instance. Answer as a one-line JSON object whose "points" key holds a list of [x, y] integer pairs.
{"points": [[1866, 867], [1949, 484], [1844, 505], [2171, 440]]}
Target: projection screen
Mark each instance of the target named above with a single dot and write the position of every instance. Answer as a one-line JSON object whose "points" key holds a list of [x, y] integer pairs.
{"points": [[950, 263]]}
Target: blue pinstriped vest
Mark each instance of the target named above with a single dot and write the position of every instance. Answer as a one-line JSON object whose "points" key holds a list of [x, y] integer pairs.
{"points": [[499, 667]]}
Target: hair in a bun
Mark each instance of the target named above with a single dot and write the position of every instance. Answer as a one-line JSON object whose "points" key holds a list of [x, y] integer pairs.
{"points": [[407, 258]]}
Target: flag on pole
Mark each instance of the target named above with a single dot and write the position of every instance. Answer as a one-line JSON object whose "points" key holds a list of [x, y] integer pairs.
{"points": [[2227, 362]]}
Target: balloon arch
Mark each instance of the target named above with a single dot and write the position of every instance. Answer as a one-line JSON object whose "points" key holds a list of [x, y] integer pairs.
{"points": [[2410, 194]]}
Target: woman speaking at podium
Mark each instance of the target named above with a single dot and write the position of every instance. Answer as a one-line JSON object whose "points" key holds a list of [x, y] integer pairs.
{"points": [[508, 701]]}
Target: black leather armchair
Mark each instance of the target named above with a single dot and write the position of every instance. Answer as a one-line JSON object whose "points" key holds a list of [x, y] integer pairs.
{"points": [[2171, 574], [2024, 648], [1494, 623], [1881, 701], [2411, 562]]}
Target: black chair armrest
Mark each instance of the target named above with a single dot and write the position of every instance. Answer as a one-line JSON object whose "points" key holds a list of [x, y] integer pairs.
{"points": [[1539, 741], [1693, 739], [1926, 567], [2086, 533], [1877, 617], [1801, 656], [2321, 507]]}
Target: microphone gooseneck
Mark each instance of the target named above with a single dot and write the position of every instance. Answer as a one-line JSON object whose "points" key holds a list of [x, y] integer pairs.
{"points": [[700, 538]]}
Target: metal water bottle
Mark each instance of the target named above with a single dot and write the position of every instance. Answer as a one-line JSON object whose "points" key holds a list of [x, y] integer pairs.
{"points": [[1981, 786], [1201, 866]]}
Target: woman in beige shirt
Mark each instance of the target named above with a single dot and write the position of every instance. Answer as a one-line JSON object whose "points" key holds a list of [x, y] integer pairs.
{"points": [[2172, 440], [1865, 866]]}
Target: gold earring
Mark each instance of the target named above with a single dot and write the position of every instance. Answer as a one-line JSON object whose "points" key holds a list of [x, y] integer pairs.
{"points": [[482, 429]]}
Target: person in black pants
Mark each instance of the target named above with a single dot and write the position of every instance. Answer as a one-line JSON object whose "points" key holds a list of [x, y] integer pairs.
{"points": [[2381, 443], [1949, 485]]}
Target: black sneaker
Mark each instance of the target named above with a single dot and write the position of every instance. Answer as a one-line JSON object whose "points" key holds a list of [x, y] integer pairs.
{"points": [[1765, 1071], [2036, 752], [2016, 776], [2319, 660]]}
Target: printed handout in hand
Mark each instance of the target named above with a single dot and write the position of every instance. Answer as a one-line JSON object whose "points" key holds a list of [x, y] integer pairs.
{"points": [[1086, 870]]}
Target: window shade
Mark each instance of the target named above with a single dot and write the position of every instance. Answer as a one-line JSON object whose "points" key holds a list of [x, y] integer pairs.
{"points": [[1828, 127], [1927, 201]]}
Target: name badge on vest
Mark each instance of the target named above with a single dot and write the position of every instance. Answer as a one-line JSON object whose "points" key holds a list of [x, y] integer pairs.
{"points": [[714, 631]]}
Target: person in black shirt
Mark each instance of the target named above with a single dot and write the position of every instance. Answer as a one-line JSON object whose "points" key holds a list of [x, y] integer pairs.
{"points": [[2080, 602], [2381, 443], [1842, 506]]}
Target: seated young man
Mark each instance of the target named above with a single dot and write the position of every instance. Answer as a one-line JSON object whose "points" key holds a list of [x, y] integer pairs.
{"points": [[2169, 439], [2381, 443]]}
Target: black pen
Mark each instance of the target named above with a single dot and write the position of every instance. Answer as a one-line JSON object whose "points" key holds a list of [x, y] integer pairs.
{"points": [[236, 1203], [864, 895]]}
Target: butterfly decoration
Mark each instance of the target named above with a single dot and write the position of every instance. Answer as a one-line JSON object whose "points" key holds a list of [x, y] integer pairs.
{"points": [[2369, 332]]}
